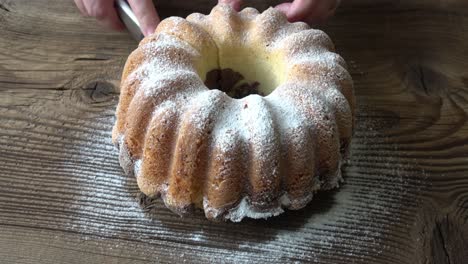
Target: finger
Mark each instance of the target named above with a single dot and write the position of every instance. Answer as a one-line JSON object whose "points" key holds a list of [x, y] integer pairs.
{"points": [[284, 8], [105, 13], [81, 7], [302, 9], [321, 13], [236, 4], [112, 20], [146, 14]]}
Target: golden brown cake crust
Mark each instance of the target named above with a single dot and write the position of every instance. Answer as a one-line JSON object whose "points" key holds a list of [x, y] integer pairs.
{"points": [[233, 158]]}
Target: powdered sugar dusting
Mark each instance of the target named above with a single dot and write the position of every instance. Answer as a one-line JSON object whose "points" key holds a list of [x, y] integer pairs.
{"points": [[137, 167], [244, 209], [297, 42], [288, 116], [228, 125], [203, 108], [256, 117], [174, 62]]}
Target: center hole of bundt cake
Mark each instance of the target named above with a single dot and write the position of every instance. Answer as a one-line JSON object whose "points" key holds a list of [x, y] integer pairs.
{"points": [[232, 83]]}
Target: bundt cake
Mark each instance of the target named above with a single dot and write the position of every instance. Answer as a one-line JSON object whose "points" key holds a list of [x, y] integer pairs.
{"points": [[239, 114]]}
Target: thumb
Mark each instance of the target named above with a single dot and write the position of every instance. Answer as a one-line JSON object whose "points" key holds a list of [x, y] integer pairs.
{"points": [[301, 9], [284, 8], [236, 4], [146, 14]]}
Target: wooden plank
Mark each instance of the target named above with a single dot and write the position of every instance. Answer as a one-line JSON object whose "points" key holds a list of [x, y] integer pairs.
{"points": [[64, 199]]}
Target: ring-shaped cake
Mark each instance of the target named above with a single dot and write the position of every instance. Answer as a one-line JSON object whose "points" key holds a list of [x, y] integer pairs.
{"points": [[269, 143]]}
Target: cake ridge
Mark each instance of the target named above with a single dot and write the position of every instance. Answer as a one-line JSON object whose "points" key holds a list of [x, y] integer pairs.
{"points": [[262, 138], [193, 141], [166, 120]]}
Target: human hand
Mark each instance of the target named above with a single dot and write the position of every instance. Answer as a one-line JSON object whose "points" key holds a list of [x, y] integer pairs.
{"points": [[309, 11], [106, 14]]}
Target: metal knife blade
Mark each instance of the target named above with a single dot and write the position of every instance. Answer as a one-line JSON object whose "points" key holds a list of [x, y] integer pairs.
{"points": [[129, 19]]}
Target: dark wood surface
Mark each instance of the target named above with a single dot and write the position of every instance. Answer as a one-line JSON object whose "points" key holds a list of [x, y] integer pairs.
{"points": [[64, 198]]}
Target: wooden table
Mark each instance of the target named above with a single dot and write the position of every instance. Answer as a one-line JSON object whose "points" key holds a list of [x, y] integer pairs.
{"points": [[64, 198]]}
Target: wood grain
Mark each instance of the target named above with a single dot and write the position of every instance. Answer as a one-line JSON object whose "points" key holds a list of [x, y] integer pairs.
{"points": [[64, 198]]}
